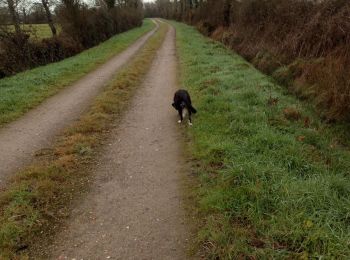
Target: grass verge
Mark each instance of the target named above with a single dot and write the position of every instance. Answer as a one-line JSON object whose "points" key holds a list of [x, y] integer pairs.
{"points": [[27, 89], [273, 179], [38, 198]]}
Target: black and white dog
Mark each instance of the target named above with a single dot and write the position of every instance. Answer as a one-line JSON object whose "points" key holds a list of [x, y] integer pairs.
{"points": [[182, 103]]}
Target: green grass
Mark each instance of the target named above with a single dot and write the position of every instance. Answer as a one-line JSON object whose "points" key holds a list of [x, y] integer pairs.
{"points": [[25, 90], [41, 31], [38, 198], [274, 180]]}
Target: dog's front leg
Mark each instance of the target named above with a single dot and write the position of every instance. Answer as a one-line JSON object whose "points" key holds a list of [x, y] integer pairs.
{"points": [[189, 117], [181, 117]]}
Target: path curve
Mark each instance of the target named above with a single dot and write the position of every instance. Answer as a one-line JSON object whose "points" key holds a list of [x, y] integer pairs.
{"points": [[37, 128], [135, 210]]}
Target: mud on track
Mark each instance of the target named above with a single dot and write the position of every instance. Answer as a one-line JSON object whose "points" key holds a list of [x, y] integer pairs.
{"points": [[135, 210], [37, 129]]}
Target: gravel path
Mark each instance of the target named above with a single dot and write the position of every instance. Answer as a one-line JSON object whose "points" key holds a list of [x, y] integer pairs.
{"points": [[38, 128], [135, 209]]}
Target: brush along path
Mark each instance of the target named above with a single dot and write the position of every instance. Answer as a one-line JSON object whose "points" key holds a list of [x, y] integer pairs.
{"points": [[134, 210], [36, 130]]}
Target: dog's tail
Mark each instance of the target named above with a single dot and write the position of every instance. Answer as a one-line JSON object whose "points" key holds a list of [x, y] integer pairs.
{"points": [[193, 110]]}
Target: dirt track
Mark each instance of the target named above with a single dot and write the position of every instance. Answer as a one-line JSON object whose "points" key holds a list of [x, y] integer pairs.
{"points": [[134, 210], [37, 129]]}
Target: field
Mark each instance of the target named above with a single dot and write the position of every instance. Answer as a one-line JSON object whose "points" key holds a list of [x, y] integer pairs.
{"points": [[272, 178], [25, 90], [41, 31]]}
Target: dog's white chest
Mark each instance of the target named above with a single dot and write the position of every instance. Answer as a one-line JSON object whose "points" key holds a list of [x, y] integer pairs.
{"points": [[184, 112]]}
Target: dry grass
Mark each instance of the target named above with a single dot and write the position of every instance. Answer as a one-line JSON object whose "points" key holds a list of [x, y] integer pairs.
{"points": [[292, 114], [37, 199]]}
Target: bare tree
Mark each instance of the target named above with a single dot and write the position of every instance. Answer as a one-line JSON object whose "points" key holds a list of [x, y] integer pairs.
{"points": [[49, 16], [14, 15], [4, 15], [110, 4], [24, 15]]}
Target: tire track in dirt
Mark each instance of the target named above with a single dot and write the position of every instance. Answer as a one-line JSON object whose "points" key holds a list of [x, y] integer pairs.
{"points": [[37, 128], [135, 210]]}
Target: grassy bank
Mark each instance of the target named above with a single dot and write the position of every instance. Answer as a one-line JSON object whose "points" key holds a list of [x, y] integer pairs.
{"points": [[25, 90], [274, 180], [38, 198]]}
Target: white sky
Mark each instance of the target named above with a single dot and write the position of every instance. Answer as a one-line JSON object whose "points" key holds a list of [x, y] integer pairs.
{"points": [[148, 1]]}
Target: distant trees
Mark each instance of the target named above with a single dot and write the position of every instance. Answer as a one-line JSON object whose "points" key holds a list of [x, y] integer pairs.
{"points": [[90, 25], [304, 42], [36, 14], [82, 26], [18, 12], [174, 9], [4, 15]]}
